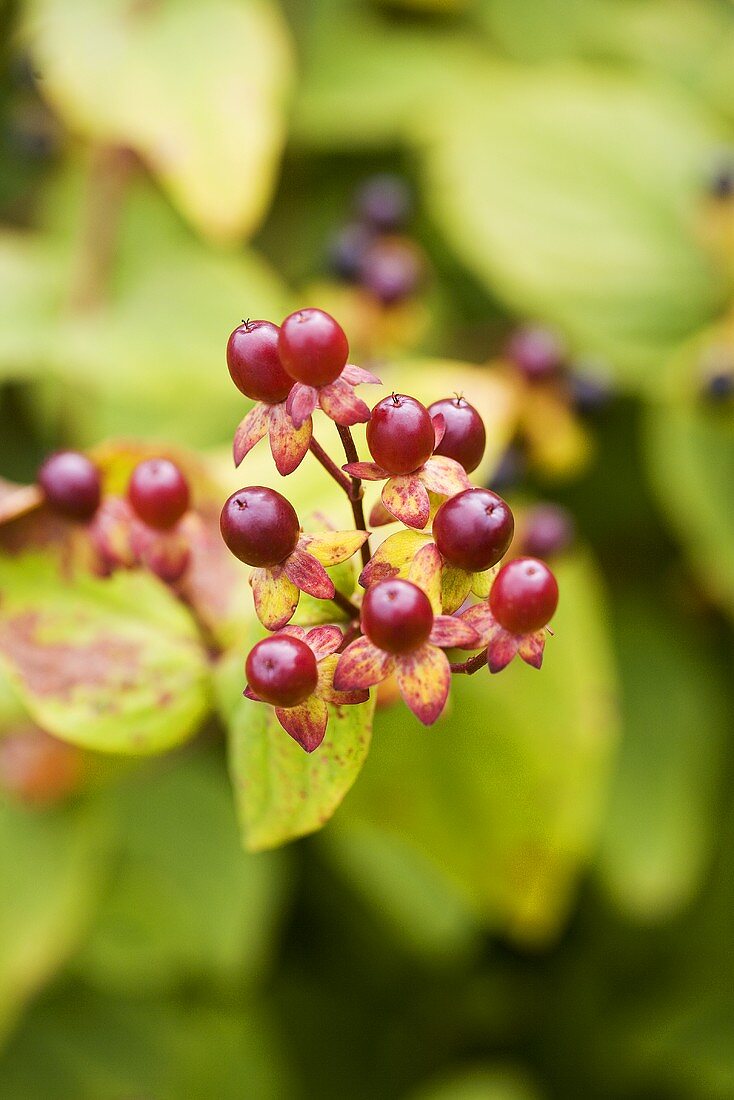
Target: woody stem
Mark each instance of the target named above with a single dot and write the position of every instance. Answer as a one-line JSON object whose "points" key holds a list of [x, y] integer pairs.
{"points": [[355, 492], [471, 666]]}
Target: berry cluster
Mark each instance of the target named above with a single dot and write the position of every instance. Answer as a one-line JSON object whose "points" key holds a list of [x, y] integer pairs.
{"points": [[417, 584]]}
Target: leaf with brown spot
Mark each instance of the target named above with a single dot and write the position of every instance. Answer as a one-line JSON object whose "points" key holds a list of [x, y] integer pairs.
{"points": [[114, 665]]}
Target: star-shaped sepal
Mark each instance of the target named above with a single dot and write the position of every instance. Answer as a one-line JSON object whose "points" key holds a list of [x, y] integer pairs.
{"points": [[288, 443], [501, 644], [337, 399]]}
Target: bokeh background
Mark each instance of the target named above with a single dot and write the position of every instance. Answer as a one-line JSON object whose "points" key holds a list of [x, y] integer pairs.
{"points": [[535, 898]]}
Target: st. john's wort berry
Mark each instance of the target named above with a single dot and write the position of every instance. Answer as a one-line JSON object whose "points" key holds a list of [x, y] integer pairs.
{"points": [[384, 202], [71, 485], [547, 530], [313, 347], [465, 437], [537, 352], [396, 616], [392, 270], [524, 596], [473, 529], [259, 526], [282, 670], [254, 364], [159, 493], [400, 434]]}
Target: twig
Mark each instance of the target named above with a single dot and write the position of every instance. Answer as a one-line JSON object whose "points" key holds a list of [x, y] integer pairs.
{"points": [[355, 496], [471, 666], [331, 467], [345, 604]]}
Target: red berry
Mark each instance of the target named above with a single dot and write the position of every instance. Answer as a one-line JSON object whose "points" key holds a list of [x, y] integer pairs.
{"points": [[474, 529], [524, 596], [259, 526], [465, 437], [396, 616], [158, 492], [392, 270], [71, 484], [384, 202], [254, 363], [548, 529], [312, 347], [537, 352], [282, 670], [400, 434]]}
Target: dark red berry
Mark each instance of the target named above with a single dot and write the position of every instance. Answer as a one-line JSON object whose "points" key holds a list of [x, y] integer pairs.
{"points": [[524, 596], [465, 437], [548, 529], [259, 526], [282, 670], [396, 616], [348, 249], [254, 364], [392, 270], [400, 434], [158, 493], [71, 484], [474, 529], [384, 202], [537, 352], [313, 347]]}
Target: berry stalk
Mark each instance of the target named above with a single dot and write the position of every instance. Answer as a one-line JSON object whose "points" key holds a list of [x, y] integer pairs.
{"points": [[355, 493], [331, 467], [471, 666]]}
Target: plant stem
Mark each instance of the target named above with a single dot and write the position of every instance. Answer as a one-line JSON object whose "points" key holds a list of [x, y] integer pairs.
{"points": [[345, 604], [473, 665], [331, 467], [355, 495]]}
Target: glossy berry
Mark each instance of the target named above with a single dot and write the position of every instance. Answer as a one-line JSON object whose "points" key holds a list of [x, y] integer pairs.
{"points": [[254, 364], [524, 596], [259, 526], [548, 529], [473, 529], [71, 485], [384, 202], [158, 493], [348, 249], [392, 270], [400, 434], [465, 437], [537, 352], [396, 616], [282, 670], [313, 347]]}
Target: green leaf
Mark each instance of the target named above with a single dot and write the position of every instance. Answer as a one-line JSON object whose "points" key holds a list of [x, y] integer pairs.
{"points": [[479, 1082], [281, 791], [113, 665], [185, 902], [573, 194], [503, 796], [659, 828], [210, 126], [49, 866], [31, 284]]}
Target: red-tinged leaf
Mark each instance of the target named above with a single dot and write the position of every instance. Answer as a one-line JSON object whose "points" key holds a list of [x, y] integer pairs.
{"points": [[450, 632], [333, 547], [305, 723], [531, 648], [439, 428], [18, 500], [340, 402], [424, 678], [367, 471], [406, 498], [250, 430], [444, 476], [362, 665], [357, 376], [379, 515], [392, 556], [250, 694], [324, 640], [501, 648], [455, 587], [300, 403], [288, 444], [326, 690], [425, 571], [480, 618], [274, 595], [111, 533], [294, 631], [308, 574]]}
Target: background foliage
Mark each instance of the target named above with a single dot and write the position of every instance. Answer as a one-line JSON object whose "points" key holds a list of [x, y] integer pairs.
{"points": [[532, 899]]}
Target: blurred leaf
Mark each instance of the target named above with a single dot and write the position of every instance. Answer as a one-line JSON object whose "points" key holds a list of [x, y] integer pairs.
{"points": [[114, 665], [281, 791], [209, 120], [479, 1083], [690, 453], [49, 865], [503, 796], [185, 902], [83, 1046], [658, 831], [574, 194]]}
